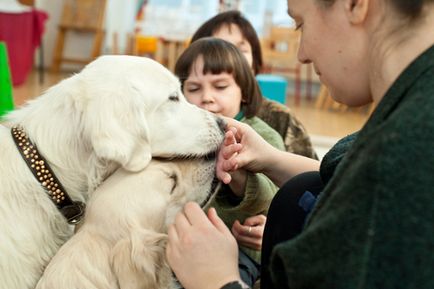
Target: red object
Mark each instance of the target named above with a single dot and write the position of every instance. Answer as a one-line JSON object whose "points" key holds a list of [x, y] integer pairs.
{"points": [[22, 33]]}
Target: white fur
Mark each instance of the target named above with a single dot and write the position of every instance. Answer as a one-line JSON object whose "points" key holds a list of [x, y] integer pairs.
{"points": [[122, 241], [118, 112]]}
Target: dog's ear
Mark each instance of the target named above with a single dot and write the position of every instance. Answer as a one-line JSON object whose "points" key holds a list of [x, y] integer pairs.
{"points": [[138, 261], [119, 132]]}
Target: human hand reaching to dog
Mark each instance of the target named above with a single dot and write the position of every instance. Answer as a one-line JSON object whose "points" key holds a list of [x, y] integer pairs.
{"points": [[244, 148], [201, 250], [250, 233]]}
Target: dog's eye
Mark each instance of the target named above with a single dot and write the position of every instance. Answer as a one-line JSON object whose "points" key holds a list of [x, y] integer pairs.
{"points": [[174, 97]]}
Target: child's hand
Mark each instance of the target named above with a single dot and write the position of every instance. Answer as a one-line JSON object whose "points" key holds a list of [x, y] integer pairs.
{"points": [[250, 233], [225, 159]]}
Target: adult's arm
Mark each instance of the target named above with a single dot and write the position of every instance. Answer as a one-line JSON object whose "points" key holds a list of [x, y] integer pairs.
{"points": [[244, 148]]}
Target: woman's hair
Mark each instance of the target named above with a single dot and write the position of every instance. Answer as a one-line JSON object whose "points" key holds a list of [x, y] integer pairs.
{"points": [[226, 19], [410, 9], [221, 56]]}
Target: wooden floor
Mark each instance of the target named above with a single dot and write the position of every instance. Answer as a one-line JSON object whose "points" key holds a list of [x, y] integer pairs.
{"points": [[318, 122]]}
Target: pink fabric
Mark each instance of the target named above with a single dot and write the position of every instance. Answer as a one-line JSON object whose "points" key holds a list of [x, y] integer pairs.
{"points": [[22, 33]]}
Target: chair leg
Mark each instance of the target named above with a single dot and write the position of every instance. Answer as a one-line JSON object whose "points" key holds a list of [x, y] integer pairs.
{"points": [[171, 57], [297, 85], [97, 44], [58, 52], [321, 98], [41, 63], [115, 43], [308, 84]]}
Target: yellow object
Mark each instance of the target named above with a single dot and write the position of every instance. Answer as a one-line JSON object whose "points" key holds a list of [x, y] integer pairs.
{"points": [[146, 44]]}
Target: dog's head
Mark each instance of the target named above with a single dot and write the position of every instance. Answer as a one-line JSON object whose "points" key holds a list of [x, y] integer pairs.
{"points": [[119, 111], [154, 195], [134, 109], [189, 180], [123, 236]]}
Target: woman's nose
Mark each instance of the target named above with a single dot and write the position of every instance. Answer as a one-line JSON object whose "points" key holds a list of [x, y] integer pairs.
{"points": [[301, 54]]}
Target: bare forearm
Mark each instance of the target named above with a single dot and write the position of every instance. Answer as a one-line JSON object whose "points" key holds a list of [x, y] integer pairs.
{"points": [[280, 166]]}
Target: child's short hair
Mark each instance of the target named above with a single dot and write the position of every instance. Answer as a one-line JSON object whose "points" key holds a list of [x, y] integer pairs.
{"points": [[221, 56]]}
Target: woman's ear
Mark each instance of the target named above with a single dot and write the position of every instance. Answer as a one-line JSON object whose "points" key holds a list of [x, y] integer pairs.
{"points": [[357, 10]]}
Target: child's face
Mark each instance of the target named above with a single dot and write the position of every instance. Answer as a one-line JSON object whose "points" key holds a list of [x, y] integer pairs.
{"points": [[234, 35], [217, 93]]}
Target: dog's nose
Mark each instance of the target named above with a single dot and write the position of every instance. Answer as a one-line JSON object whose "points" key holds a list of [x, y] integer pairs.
{"points": [[222, 124]]}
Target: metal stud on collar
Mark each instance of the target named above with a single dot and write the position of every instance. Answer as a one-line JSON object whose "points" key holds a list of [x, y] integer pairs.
{"points": [[73, 211]]}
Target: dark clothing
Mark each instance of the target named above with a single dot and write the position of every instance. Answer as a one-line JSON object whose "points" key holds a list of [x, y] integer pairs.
{"points": [[232, 285], [287, 215], [249, 269], [372, 226], [294, 201], [334, 156]]}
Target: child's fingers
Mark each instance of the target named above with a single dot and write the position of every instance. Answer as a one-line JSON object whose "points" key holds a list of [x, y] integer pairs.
{"points": [[229, 138], [228, 151]]}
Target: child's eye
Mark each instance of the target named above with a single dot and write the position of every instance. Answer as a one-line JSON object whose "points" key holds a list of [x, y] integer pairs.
{"points": [[190, 90], [221, 85]]}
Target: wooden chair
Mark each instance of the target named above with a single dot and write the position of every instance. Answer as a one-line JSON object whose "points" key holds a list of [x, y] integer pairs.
{"points": [[168, 51], [84, 16], [280, 57], [165, 51]]}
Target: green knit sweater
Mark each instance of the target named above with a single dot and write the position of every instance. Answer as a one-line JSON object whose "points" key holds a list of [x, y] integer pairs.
{"points": [[373, 226], [259, 189]]}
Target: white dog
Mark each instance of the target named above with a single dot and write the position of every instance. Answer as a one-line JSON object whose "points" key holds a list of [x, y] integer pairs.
{"points": [[121, 243], [118, 112]]}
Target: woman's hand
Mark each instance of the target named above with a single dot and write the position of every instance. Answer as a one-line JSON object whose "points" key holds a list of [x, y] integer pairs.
{"points": [[242, 148], [201, 250], [250, 233]]}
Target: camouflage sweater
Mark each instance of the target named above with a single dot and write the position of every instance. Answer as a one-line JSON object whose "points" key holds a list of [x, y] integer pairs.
{"points": [[294, 135]]}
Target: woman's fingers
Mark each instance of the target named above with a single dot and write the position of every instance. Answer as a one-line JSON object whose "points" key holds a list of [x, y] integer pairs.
{"points": [[217, 222], [195, 215], [193, 241]]}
